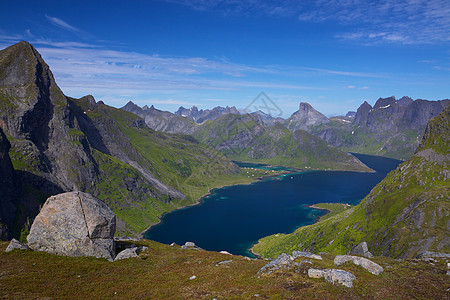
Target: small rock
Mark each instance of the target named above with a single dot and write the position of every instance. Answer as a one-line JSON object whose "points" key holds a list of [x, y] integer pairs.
{"points": [[224, 262], [190, 245], [127, 253], [367, 264], [173, 244], [296, 254], [334, 276], [142, 249], [225, 252], [192, 277], [15, 244], [361, 250]]}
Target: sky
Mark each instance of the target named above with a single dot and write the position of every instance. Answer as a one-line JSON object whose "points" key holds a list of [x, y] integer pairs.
{"points": [[169, 53]]}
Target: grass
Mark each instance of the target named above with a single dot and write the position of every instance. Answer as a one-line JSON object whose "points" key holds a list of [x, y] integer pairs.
{"points": [[164, 272]]}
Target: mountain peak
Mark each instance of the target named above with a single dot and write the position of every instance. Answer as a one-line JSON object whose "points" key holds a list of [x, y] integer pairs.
{"points": [[305, 117]]}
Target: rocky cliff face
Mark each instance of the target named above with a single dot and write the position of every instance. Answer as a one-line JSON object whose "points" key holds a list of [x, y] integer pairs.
{"points": [[405, 215], [305, 118], [391, 128]]}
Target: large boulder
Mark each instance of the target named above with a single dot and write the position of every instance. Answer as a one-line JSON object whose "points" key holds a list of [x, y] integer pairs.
{"points": [[74, 224], [361, 250], [367, 264], [334, 276]]}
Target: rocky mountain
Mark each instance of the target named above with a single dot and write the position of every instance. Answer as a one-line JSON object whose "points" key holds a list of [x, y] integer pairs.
{"points": [[305, 118], [248, 138], [63, 144], [405, 215], [390, 128], [159, 120], [200, 116]]}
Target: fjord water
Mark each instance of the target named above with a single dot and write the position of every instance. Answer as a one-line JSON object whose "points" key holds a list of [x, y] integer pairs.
{"points": [[234, 218]]}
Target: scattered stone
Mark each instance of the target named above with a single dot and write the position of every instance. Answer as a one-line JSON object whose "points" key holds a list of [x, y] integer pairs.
{"points": [[361, 250], [173, 244], [246, 257], [190, 245], [334, 276], [367, 264], [128, 253], [15, 244], [192, 277], [296, 254], [142, 248], [283, 261], [225, 252], [224, 262], [74, 224]]}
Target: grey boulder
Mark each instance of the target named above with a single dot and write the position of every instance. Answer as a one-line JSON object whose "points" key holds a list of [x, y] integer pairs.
{"points": [[367, 264], [128, 253], [361, 250], [296, 254], [15, 244], [74, 224], [334, 276]]}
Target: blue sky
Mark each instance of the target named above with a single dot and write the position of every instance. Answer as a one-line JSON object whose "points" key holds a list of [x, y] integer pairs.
{"points": [[332, 54]]}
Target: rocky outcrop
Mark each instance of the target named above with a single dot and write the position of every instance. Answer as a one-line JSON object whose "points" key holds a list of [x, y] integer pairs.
{"points": [[74, 224], [305, 118], [342, 277], [367, 264]]}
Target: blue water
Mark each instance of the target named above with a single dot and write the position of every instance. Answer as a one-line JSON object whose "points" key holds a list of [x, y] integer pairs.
{"points": [[234, 218]]}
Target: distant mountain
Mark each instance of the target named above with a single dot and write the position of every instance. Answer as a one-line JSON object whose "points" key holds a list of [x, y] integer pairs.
{"points": [[56, 143], [391, 128], [248, 138], [159, 120], [200, 116], [268, 119], [305, 118], [405, 215]]}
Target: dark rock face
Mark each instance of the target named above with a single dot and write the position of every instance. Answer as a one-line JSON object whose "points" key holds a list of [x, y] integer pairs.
{"points": [[74, 224], [7, 189], [305, 118]]}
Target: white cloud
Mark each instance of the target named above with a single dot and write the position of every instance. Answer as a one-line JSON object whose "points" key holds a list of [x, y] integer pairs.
{"points": [[62, 24], [400, 21]]}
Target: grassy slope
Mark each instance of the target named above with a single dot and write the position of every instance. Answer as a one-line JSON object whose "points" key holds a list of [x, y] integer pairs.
{"points": [[272, 145], [164, 272], [402, 216]]}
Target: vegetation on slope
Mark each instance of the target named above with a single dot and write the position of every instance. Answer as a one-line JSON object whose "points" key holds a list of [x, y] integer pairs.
{"points": [[404, 215], [164, 272]]}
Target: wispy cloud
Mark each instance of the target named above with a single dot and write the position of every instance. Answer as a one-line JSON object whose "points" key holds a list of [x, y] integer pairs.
{"points": [[62, 24], [401, 21]]}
